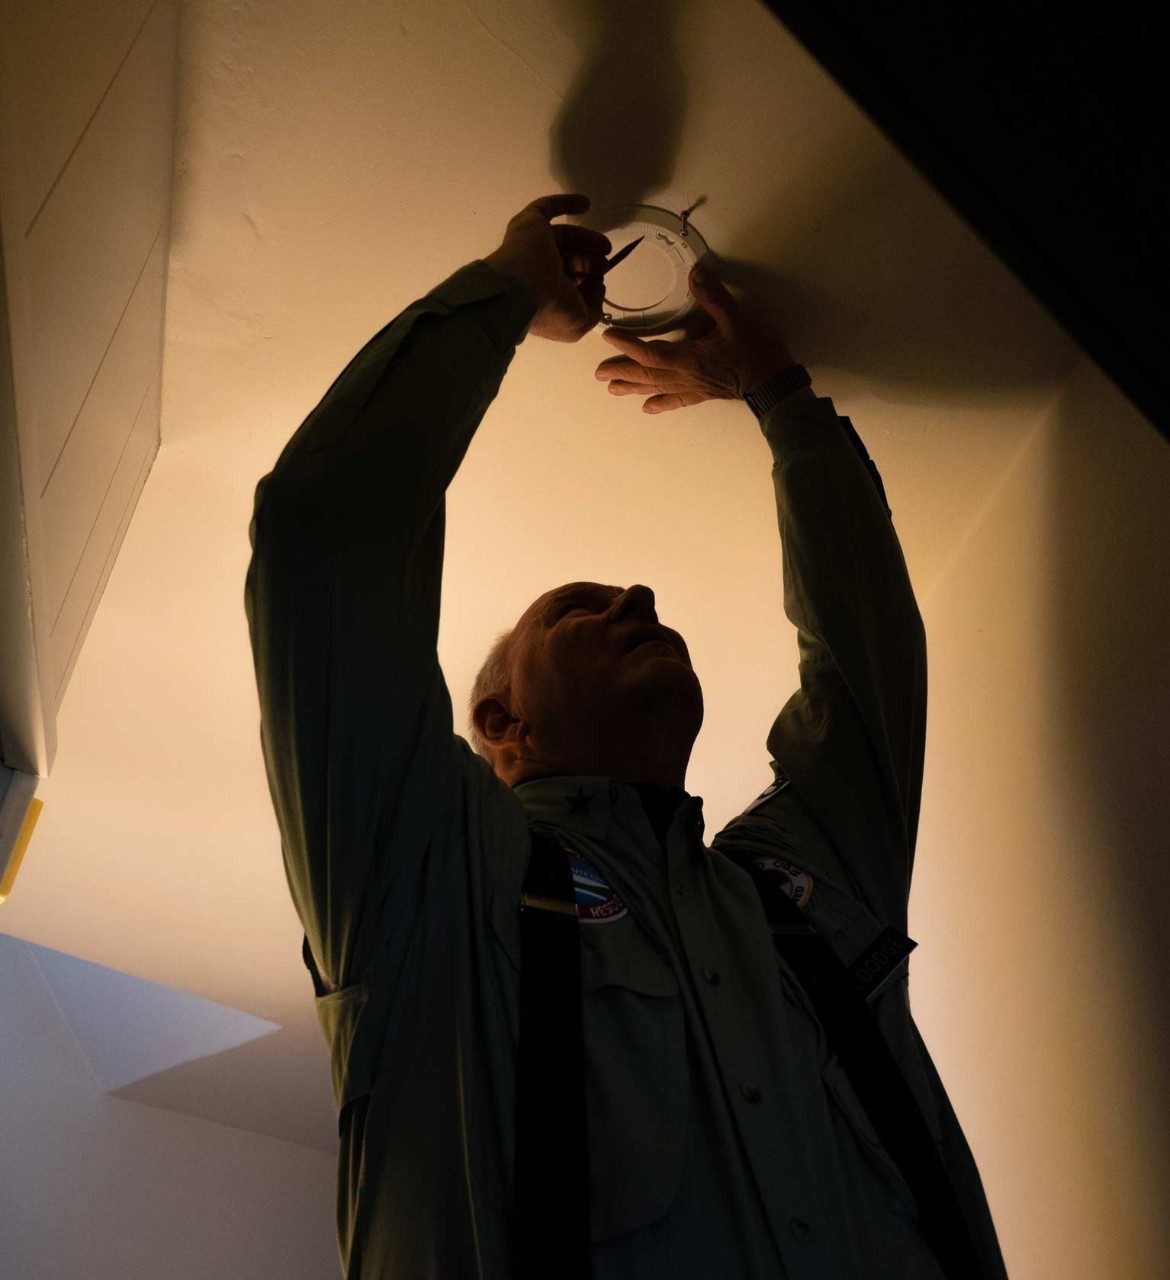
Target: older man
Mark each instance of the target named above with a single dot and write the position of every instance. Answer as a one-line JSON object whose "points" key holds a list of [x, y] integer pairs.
{"points": [[724, 1137]]}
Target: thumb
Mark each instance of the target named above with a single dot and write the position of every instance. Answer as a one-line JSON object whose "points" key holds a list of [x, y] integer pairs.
{"points": [[708, 289]]}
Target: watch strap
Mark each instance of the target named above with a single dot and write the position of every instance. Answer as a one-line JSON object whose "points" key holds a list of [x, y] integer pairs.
{"points": [[782, 384]]}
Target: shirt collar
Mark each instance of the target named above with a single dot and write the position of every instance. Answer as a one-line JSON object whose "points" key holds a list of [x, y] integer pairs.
{"points": [[590, 804]]}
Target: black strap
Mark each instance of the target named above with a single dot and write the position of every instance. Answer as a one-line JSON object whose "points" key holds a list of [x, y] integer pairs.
{"points": [[838, 994], [552, 1155]]}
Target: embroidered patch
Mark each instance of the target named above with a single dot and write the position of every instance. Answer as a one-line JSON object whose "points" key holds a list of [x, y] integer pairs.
{"points": [[877, 964], [765, 795], [797, 884], [597, 903]]}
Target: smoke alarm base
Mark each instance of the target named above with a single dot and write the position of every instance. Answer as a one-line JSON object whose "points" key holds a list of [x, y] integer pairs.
{"points": [[654, 281]]}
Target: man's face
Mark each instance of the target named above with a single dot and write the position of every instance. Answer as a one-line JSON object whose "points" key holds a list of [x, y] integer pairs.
{"points": [[594, 673]]}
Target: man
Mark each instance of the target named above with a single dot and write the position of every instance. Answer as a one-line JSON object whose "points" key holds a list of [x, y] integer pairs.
{"points": [[724, 1139]]}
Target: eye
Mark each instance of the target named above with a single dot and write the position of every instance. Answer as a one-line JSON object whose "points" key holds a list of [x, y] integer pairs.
{"points": [[563, 611]]}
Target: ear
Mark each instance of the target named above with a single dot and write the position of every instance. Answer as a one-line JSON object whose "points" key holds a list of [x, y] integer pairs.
{"points": [[495, 722]]}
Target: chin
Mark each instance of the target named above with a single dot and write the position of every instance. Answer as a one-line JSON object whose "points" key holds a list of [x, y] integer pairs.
{"points": [[668, 672]]}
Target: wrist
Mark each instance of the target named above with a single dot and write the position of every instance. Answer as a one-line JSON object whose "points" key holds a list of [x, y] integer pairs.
{"points": [[782, 361], [499, 262], [777, 387]]}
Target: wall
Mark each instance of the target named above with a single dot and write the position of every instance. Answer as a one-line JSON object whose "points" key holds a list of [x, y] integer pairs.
{"points": [[87, 110], [1041, 893], [106, 1189]]}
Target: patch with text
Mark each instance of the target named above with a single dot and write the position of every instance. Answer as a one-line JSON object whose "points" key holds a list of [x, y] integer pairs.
{"points": [[794, 881], [597, 902]]}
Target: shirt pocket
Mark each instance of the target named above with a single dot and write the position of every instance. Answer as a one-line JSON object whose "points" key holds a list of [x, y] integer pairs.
{"points": [[635, 1078], [859, 1141], [635, 1071]]}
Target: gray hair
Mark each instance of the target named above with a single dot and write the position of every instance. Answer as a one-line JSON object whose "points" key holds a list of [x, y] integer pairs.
{"points": [[494, 679]]}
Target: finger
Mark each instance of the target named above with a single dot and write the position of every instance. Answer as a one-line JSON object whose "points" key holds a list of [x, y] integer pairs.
{"points": [[662, 402], [574, 239], [612, 367], [555, 206], [591, 265], [631, 370], [710, 292], [638, 375], [664, 354], [675, 400], [623, 388], [593, 291], [634, 387]]}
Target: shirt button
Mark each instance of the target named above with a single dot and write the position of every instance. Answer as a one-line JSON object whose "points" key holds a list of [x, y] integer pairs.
{"points": [[800, 1229], [750, 1091], [676, 885], [712, 976]]}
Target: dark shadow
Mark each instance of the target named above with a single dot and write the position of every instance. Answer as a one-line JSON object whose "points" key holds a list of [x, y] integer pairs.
{"points": [[886, 282], [1045, 134], [1108, 481]]}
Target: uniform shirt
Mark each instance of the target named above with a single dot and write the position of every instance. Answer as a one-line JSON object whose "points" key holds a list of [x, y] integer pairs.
{"points": [[725, 1139]]}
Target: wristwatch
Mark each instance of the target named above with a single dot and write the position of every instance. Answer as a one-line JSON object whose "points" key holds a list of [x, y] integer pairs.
{"points": [[776, 388]]}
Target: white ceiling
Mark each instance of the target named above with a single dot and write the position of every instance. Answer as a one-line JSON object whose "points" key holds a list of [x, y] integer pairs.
{"points": [[158, 1027], [332, 166]]}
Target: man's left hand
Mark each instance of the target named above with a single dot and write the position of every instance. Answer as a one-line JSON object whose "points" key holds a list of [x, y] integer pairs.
{"points": [[562, 267]]}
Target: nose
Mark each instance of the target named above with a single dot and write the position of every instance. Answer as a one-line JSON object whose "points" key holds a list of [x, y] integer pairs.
{"points": [[635, 602]]}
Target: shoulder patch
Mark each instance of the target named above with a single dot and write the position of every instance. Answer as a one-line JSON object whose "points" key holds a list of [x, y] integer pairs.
{"points": [[780, 784], [794, 881], [597, 901]]}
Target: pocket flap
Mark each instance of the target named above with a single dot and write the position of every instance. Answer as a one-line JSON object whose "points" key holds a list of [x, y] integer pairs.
{"points": [[339, 1014], [621, 955]]}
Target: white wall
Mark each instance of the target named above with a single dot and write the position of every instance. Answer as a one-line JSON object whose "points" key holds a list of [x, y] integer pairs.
{"points": [[102, 1188], [87, 111], [1041, 894]]}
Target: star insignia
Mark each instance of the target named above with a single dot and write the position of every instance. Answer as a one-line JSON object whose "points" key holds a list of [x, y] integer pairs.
{"points": [[580, 802]]}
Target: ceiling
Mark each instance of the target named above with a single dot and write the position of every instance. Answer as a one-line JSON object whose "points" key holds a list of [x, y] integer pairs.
{"points": [[331, 167]]}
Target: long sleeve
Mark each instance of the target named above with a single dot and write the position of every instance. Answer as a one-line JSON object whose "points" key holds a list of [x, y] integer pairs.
{"points": [[852, 738], [342, 598]]}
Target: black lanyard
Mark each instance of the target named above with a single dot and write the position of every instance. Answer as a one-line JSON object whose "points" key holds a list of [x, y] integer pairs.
{"points": [[552, 1156], [839, 995]]}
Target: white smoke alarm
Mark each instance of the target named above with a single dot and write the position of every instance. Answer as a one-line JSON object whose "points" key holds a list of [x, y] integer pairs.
{"points": [[648, 291]]}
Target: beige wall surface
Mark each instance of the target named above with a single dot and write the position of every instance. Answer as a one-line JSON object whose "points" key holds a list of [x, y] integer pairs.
{"points": [[1042, 885]]}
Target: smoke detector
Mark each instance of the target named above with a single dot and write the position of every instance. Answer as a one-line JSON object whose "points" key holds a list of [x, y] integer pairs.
{"points": [[649, 291]]}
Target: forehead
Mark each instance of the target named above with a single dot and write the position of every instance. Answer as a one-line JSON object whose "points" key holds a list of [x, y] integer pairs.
{"points": [[570, 588]]}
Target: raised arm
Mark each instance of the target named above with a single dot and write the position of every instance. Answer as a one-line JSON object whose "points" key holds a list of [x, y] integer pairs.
{"points": [[852, 737], [343, 589], [342, 599]]}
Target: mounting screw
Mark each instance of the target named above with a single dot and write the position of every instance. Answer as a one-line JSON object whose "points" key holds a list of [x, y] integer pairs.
{"points": [[686, 212]]}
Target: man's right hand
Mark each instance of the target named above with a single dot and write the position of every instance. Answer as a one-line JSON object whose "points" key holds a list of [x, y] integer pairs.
{"points": [[736, 354]]}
